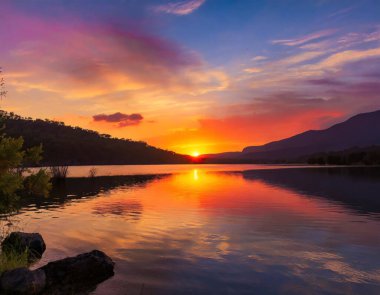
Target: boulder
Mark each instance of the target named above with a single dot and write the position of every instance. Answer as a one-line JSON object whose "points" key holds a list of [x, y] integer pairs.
{"points": [[20, 242], [79, 273], [22, 281], [73, 275]]}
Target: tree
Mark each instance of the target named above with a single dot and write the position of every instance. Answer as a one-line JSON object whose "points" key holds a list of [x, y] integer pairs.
{"points": [[3, 92], [15, 176]]}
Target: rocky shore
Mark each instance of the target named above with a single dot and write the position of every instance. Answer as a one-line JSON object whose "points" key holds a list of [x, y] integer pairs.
{"points": [[73, 275]]}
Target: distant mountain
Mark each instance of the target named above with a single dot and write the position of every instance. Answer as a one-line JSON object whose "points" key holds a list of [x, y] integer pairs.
{"points": [[362, 130], [66, 145]]}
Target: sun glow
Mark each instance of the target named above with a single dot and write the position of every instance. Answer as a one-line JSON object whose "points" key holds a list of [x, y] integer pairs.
{"points": [[195, 154]]}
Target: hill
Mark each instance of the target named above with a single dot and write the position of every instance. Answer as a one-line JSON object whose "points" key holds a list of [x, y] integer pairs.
{"points": [[360, 131], [66, 145]]}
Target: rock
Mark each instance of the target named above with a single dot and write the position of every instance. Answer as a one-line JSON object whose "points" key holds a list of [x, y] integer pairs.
{"points": [[22, 281], [20, 242], [73, 275], [79, 273]]}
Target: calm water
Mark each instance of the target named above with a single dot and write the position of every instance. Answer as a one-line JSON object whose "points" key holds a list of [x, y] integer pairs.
{"points": [[200, 231]]}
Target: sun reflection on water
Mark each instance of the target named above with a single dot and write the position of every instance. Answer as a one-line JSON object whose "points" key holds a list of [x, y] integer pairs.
{"points": [[195, 175], [219, 225]]}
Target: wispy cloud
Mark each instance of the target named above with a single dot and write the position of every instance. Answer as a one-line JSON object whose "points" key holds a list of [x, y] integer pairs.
{"points": [[299, 58], [341, 12], [355, 38], [304, 39], [336, 61], [252, 70], [180, 8], [259, 58]]}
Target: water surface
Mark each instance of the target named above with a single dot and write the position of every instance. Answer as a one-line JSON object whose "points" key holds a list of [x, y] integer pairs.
{"points": [[203, 231]]}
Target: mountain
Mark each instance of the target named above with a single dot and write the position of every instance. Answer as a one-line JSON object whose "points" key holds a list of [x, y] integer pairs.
{"points": [[66, 145], [362, 130]]}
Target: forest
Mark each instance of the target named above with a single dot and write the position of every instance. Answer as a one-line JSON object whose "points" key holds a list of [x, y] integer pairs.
{"points": [[67, 145], [353, 156]]}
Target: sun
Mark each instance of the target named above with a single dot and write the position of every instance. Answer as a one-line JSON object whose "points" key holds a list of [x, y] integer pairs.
{"points": [[195, 154]]}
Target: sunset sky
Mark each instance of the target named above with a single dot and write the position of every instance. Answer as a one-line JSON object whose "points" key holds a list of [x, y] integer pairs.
{"points": [[192, 75]]}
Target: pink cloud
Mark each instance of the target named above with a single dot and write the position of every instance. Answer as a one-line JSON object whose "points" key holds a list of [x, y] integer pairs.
{"points": [[79, 60], [180, 8]]}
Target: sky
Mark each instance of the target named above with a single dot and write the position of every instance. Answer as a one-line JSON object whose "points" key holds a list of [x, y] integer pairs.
{"points": [[191, 76]]}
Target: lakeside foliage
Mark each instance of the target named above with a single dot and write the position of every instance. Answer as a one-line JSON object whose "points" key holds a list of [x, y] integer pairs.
{"points": [[13, 259], [13, 162], [16, 180], [354, 156], [14, 184]]}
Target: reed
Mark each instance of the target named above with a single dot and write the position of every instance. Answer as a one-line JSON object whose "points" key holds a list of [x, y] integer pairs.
{"points": [[92, 172], [12, 259], [59, 172]]}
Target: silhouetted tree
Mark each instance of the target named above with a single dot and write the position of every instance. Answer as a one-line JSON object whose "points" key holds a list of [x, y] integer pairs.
{"points": [[13, 162]]}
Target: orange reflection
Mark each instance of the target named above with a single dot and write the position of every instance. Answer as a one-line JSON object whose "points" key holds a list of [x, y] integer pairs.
{"points": [[195, 175], [198, 214]]}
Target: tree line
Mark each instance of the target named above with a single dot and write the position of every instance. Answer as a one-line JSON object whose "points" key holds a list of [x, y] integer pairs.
{"points": [[354, 156], [67, 145]]}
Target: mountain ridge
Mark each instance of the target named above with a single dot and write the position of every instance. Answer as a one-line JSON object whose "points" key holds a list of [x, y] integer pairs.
{"points": [[357, 131]]}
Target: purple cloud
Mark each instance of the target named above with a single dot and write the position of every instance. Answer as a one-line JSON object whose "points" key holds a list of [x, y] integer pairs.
{"points": [[326, 82], [121, 119]]}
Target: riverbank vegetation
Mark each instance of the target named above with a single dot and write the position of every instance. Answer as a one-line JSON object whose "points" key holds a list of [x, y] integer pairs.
{"points": [[17, 181], [15, 178], [354, 156]]}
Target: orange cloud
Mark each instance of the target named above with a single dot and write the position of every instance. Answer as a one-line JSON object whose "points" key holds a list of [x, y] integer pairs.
{"points": [[337, 60], [272, 117], [75, 69]]}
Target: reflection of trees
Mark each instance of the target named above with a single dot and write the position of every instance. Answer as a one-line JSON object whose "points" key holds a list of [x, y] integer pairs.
{"points": [[83, 188], [355, 187], [126, 208]]}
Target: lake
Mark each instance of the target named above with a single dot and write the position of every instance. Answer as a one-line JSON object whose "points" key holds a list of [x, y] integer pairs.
{"points": [[218, 229]]}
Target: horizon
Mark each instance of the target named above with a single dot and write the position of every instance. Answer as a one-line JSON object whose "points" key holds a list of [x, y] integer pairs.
{"points": [[194, 77]]}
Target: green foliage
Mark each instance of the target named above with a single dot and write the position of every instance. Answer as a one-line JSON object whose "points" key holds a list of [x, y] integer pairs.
{"points": [[11, 156], [33, 155], [38, 183], [13, 162], [11, 153], [10, 182], [3, 92], [13, 259]]}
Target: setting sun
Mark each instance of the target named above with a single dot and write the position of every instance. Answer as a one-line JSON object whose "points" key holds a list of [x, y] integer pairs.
{"points": [[189, 147], [195, 154]]}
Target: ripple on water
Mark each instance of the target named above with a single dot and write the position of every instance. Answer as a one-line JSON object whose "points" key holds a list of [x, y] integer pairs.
{"points": [[271, 232]]}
